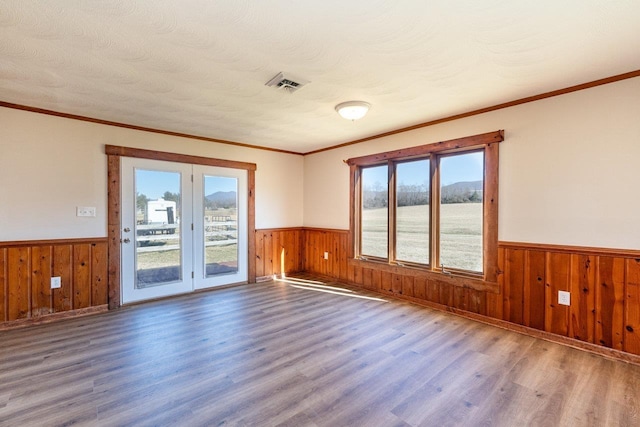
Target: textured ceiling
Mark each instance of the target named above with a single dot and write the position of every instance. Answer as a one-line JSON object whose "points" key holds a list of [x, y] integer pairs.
{"points": [[199, 66]]}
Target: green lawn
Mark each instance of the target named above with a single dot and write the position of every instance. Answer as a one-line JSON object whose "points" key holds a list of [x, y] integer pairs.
{"points": [[460, 234]]}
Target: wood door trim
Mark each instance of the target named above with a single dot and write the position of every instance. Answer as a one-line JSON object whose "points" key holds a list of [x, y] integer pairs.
{"points": [[114, 209], [113, 228], [114, 150]]}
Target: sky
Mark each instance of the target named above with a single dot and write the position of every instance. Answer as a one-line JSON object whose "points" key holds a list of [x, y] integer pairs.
{"points": [[153, 184], [464, 167], [459, 168]]}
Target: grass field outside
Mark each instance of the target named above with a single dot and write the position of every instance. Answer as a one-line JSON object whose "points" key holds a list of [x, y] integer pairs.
{"points": [[217, 254], [214, 254], [460, 234]]}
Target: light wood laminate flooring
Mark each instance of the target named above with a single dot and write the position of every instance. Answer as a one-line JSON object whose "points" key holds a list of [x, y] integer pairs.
{"points": [[301, 353]]}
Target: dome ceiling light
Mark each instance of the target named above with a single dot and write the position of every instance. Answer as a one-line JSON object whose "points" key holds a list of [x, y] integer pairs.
{"points": [[353, 110]]}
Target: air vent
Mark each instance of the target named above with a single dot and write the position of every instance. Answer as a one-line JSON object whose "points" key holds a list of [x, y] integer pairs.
{"points": [[286, 82]]}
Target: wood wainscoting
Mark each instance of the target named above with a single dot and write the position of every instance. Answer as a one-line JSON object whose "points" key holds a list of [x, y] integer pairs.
{"points": [[604, 286], [278, 250], [26, 268]]}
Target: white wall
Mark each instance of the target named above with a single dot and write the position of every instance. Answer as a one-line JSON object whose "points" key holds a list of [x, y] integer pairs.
{"points": [[50, 165], [569, 168]]}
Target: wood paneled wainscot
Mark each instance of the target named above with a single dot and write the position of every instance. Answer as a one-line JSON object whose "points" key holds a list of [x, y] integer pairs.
{"points": [[604, 314], [26, 269], [277, 251], [604, 286]]}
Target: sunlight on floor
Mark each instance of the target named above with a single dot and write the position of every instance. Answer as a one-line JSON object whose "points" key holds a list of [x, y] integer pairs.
{"points": [[311, 285]]}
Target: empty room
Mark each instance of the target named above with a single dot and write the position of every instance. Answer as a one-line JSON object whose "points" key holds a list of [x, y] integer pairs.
{"points": [[319, 213]]}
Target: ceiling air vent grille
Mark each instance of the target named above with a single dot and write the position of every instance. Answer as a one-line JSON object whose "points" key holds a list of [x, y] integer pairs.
{"points": [[286, 82]]}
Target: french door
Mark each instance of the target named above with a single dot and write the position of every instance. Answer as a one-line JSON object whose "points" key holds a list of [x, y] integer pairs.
{"points": [[184, 227]]}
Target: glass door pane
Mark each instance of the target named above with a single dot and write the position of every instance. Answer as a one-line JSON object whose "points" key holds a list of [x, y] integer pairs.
{"points": [[220, 225], [158, 237], [157, 242]]}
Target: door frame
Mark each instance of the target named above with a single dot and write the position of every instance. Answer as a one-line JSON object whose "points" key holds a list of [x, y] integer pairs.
{"points": [[114, 153]]}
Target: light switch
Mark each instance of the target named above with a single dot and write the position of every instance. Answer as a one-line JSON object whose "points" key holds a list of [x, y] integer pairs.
{"points": [[56, 283]]}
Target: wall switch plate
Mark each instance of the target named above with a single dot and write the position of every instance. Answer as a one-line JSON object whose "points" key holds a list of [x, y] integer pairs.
{"points": [[56, 283], [85, 211], [564, 298], [326, 255]]}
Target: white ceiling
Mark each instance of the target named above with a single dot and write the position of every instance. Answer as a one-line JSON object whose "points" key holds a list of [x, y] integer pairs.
{"points": [[199, 66]]}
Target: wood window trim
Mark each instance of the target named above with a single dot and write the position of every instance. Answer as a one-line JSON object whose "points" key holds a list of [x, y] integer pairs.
{"points": [[114, 153], [487, 142]]}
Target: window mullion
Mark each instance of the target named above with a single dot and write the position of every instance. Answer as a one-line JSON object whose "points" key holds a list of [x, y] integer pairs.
{"points": [[391, 188], [356, 209], [434, 216]]}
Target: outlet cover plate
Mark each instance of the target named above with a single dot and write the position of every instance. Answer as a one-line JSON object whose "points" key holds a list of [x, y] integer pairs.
{"points": [[85, 211], [564, 298], [56, 283]]}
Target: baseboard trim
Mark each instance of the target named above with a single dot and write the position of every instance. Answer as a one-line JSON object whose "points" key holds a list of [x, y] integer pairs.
{"points": [[607, 352], [526, 330], [53, 317]]}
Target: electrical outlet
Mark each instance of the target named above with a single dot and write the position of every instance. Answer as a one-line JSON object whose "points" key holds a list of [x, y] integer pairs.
{"points": [[85, 211], [56, 283], [564, 298], [326, 255]]}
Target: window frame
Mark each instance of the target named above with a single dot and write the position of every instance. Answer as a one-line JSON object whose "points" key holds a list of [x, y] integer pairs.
{"points": [[488, 143]]}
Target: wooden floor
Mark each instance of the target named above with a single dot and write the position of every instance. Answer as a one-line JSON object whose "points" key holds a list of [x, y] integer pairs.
{"points": [[293, 354]]}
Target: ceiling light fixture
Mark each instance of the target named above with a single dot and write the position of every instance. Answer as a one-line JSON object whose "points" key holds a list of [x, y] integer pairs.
{"points": [[353, 110]]}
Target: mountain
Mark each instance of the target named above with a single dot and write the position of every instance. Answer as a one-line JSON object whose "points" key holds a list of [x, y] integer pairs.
{"points": [[463, 186], [223, 198], [462, 192]]}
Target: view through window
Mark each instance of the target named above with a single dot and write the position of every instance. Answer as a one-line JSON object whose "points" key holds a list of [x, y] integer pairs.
{"points": [[412, 211], [461, 196], [405, 218], [375, 210]]}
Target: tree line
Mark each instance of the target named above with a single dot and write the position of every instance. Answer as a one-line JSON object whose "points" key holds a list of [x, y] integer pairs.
{"points": [[142, 200], [375, 196]]}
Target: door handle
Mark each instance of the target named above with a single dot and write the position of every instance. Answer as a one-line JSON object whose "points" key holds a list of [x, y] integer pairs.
{"points": [[127, 240]]}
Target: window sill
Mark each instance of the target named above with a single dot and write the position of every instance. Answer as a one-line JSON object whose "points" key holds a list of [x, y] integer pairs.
{"points": [[450, 277]]}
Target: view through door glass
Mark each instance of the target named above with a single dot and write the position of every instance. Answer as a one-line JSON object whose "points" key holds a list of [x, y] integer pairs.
{"points": [[220, 225], [184, 227], [158, 237]]}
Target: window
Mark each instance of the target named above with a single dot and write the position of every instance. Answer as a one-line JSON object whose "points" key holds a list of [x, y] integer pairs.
{"points": [[375, 210], [413, 211], [432, 207], [461, 189]]}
